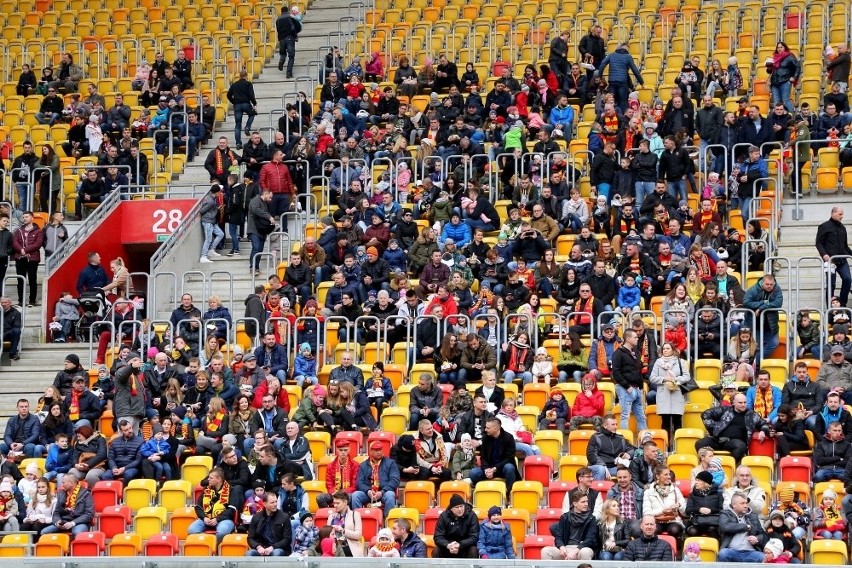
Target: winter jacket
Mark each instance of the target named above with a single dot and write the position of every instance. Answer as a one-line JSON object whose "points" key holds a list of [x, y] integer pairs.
{"points": [[89, 406], [495, 541], [805, 392], [756, 298], [576, 529], [751, 393], [629, 297], [83, 512], [350, 374], [270, 530], [463, 530], [652, 549], [620, 63], [730, 525], [433, 399], [718, 418], [412, 547], [654, 503], [460, 234], [95, 445], [23, 431], [304, 366], [626, 370], [588, 406], [605, 446], [58, 461], [560, 407], [711, 498], [708, 122], [787, 71], [275, 359], [30, 241], [828, 453], [91, 277]]}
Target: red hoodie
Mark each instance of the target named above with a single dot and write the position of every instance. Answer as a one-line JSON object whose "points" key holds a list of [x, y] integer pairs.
{"points": [[588, 406]]}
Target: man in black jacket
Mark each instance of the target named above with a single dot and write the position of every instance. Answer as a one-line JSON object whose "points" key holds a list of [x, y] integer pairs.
{"points": [[457, 531], [649, 547], [742, 535], [675, 164], [831, 240], [269, 530], [235, 470], [497, 455], [708, 123], [241, 95], [602, 284], [605, 447], [425, 401], [627, 374], [288, 29], [593, 50], [576, 533]]}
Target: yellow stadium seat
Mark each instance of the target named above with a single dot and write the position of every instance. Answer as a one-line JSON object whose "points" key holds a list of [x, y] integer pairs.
{"points": [[708, 370], [408, 513], [313, 488], [175, 493], [450, 488], [762, 467], [394, 420], [419, 495], [779, 371], [827, 180], [196, 468], [140, 493], [829, 552], [15, 545], [568, 466], [682, 465], [150, 521], [526, 495], [692, 415], [488, 493], [200, 545], [578, 441], [319, 442], [685, 438], [529, 416], [549, 442]]}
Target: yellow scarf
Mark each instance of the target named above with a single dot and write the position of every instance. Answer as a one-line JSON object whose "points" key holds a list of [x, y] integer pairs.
{"points": [[71, 498], [213, 425], [213, 503], [74, 408], [763, 403], [341, 482]]}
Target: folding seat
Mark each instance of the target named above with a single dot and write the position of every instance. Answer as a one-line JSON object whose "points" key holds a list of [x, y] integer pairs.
{"points": [[822, 487], [371, 522], [450, 488], [54, 544], [549, 442], [518, 520], [569, 464], [526, 495], [202, 544], [114, 520], [544, 518], [536, 394], [321, 516], [762, 467], [234, 545], [14, 545], [430, 519], [140, 493], [313, 488], [538, 468], [150, 521], [534, 543], [829, 552], [88, 544], [410, 514], [180, 520], [795, 468], [394, 420], [196, 468], [709, 547], [419, 495], [685, 438], [107, 494], [125, 544], [682, 465], [319, 443], [488, 493], [175, 493]]}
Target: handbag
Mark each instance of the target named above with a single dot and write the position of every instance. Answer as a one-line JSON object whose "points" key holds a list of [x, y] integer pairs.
{"points": [[689, 385]]}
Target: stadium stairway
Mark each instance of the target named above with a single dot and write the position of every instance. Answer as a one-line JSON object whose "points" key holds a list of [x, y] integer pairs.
{"points": [[796, 242]]}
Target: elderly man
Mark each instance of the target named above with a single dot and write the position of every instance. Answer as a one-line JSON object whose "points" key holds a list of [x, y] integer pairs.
{"points": [[649, 547], [378, 480], [74, 510], [730, 428], [744, 483], [836, 374], [346, 372], [217, 506], [576, 533], [742, 535], [295, 449]]}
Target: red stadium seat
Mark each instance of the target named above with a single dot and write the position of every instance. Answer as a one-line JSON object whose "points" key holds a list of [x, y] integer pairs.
{"points": [[107, 494], [556, 492], [533, 543], [538, 468], [795, 468], [162, 544], [430, 519], [371, 521], [387, 439], [114, 520], [546, 517], [88, 544]]}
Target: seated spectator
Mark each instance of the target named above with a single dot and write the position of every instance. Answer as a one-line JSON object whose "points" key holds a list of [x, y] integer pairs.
{"points": [[614, 532], [605, 447], [82, 404], [269, 532], [216, 507], [744, 483], [648, 547], [703, 506], [831, 454], [124, 458], [576, 533], [495, 538], [74, 510], [776, 528], [22, 436], [378, 480], [742, 535], [832, 411], [457, 531], [12, 326], [764, 398], [730, 428], [836, 374], [664, 501]]}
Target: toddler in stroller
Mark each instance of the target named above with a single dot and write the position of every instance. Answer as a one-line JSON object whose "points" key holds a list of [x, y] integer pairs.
{"points": [[66, 316], [94, 306]]}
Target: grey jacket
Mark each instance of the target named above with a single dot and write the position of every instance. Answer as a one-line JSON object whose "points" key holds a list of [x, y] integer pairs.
{"points": [[431, 399], [257, 208], [126, 403], [209, 208], [730, 525]]}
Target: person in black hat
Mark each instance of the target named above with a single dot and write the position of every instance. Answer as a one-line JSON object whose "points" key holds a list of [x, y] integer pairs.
{"points": [[64, 379], [457, 531], [406, 459], [703, 506]]}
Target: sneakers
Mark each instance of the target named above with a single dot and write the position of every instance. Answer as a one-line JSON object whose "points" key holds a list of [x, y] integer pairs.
{"points": [[239, 146], [204, 260], [230, 253], [213, 253], [234, 252]]}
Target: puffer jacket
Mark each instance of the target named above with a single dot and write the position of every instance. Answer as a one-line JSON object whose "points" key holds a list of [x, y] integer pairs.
{"points": [[125, 453], [652, 549], [620, 63], [460, 234], [463, 530], [717, 419], [589, 406], [495, 541]]}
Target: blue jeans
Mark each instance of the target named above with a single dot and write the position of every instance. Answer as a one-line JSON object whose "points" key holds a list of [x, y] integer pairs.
{"points": [[361, 499], [23, 191], [782, 93], [213, 235], [527, 449], [49, 118], [574, 222], [222, 528], [599, 472], [509, 376], [770, 342], [845, 282], [479, 224], [257, 243], [30, 450], [677, 189], [448, 377], [125, 478], [77, 529], [275, 551], [828, 473], [508, 473], [731, 555], [239, 110], [234, 232], [631, 403], [642, 189], [831, 535], [605, 555]]}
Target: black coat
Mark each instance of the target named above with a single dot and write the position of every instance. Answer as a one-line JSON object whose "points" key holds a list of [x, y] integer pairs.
{"points": [[497, 452], [652, 549], [463, 530], [569, 532], [278, 532], [626, 368], [831, 239]]}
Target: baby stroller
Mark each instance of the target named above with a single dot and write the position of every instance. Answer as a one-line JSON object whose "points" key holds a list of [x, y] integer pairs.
{"points": [[94, 308]]}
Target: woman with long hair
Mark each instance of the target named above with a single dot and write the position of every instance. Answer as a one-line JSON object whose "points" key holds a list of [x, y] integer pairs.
{"points": [[358, 406], [783, 68], [742, 352], [518, 358], [614, 533], [664, 501], [211, 349], [214, 426], [448, 359], [56, 422], [573, 358], [701, 262], [693, 284], [240, 421], [547, 273], [122, 283], [511, 422], [171, 398], [40, 508]]}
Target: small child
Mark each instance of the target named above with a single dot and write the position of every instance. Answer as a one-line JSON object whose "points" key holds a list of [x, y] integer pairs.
{"points": [[713, 188], [8, 508], [464, 459], [555, 413], [718, 472], [58, 460], [735, 77], [601, 216], [305, 536], [542, 367], [254, 503], [692, 552], [828, 522], [773, 552], [384, 547], [305, 366], [237, 360], [156, 446], [796, 514], [394, 256], [629, 295], [104, 388], [28, 485], [67, 312], [379, 388]]}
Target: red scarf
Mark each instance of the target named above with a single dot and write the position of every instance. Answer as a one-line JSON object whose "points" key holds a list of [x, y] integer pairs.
{"points": [[375, 465], [777, 58], [584, 311]]}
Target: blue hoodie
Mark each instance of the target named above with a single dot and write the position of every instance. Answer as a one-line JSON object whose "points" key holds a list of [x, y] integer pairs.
{"points": [[304, 367], [629, 296], [58, 460]]}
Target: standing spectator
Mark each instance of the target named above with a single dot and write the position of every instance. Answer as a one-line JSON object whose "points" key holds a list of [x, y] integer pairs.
{"points": [[838, 68], [765, 299], [129, 402], [75, 508], [784, 70], [213, 235], [12, 326], [27, 241], [831, 240], [558, 58], [742, 535], [288, 29], [576, 533], [708, 123], [260, 225], [219, 162], [241, 95], [629, 385], [669, 374], [730, 428], [648, 547], [593, 50], [275, 177], [621, 63]]}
